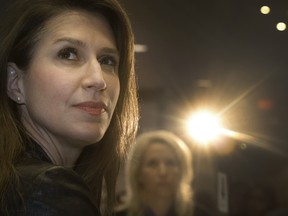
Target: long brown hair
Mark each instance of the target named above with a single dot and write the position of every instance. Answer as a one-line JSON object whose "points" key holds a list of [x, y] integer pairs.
{"points": [[19, 34]]}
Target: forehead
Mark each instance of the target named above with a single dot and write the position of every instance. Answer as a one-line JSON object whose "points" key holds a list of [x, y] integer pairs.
{"points": [[159, 149], [79, 24], [74, 16]]}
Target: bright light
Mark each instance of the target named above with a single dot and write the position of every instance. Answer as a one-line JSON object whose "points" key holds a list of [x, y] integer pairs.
{"points": [[204, 127], [265, 10], [140, 48], [281, 26]]}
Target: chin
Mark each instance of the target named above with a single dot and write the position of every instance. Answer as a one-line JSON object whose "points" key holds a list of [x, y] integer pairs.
{"points": [[94, 139], [89, 138]]}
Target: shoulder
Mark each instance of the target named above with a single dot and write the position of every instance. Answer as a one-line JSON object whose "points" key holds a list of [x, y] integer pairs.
{"points": [[35, 173], [55, 190], [39, 173]]}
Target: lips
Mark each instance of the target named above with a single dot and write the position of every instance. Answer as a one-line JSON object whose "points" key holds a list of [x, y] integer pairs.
{"points": [[92, 108]]}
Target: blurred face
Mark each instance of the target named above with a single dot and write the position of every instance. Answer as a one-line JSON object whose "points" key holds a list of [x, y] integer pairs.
{"points": [[160, 171], [71, 88]]}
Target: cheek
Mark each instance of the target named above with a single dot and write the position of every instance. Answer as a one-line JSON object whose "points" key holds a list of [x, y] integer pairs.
{"points": [[175, 174], [53, 90], [49, 79], [140, 176], [113, 86], [37, 79], [144, 176]]}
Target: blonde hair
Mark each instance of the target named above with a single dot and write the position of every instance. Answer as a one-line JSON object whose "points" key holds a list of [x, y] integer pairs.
{"points": [[183, 199]]}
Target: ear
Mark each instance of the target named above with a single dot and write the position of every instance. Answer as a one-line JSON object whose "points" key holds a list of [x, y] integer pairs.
{"points": [[15, 83]]}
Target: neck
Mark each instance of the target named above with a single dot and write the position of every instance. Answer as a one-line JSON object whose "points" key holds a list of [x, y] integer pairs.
{"points": [[159, 205], [58, 152]]}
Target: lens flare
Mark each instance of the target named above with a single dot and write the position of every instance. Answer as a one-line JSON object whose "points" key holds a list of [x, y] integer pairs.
{"points": [[204, 127]]}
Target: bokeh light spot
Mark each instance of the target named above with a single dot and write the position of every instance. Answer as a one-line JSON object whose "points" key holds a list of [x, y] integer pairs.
{"points": [[265, 10], [265, 104], [281, 26]]}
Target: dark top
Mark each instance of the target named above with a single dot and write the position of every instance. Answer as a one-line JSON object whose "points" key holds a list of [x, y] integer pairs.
{"points": [[197, 212], [50, 190], [147, 212]]}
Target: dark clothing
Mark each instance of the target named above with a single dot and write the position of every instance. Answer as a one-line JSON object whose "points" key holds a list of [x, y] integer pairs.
{"points": [[121, 213], [147, 212], [50, 190], [197, 212]]}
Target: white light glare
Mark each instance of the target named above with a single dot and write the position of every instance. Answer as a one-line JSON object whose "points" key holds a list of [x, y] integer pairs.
{"points": [[204, 127], [140, 48], [265, 10], [281, 26]]}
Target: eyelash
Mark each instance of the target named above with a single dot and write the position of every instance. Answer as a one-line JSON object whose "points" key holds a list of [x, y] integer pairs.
{"points": [[66, 54], [107, 60]]}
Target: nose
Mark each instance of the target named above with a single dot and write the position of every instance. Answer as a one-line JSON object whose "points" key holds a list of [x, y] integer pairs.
{"points": [[94, 77], [162, 168]]}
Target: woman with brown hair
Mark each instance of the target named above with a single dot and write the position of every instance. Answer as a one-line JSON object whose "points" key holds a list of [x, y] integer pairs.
{"points": [[68, 105]]}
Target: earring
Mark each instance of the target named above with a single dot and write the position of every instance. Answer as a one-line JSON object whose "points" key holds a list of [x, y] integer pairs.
{"points": [[18, 99], [11, 71]]}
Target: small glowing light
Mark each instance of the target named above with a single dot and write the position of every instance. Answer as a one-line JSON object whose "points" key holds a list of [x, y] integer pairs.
{"points": [[243, 146], [265, 10], [281, 26], [265, 104], [204, 127], [140, 48]]}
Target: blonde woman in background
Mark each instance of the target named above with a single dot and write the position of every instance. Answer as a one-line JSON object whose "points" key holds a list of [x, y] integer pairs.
{"points": [[159, 176]]}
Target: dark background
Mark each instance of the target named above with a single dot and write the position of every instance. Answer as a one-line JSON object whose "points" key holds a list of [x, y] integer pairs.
{"points": [[228, 44]]}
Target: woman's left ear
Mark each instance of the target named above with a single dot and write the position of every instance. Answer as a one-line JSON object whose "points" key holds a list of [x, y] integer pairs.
{"points": [[15, 89]]}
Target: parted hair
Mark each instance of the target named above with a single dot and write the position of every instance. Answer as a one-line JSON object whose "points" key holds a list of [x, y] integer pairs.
{"points": [[20, 30], [182, 201]]}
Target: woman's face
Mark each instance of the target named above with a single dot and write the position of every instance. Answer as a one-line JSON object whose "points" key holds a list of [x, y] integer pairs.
{"points": [[71, 87], [160, 170]]}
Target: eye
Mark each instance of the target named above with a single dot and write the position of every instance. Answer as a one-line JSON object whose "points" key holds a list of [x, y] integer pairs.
{"points": [[108, 63], [107, 60], [152, 163], [171, 163], [68, 54]]}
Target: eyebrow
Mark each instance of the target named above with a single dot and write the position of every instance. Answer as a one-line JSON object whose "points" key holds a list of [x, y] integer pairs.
{"points": [[72, 41], [80, 43]]}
